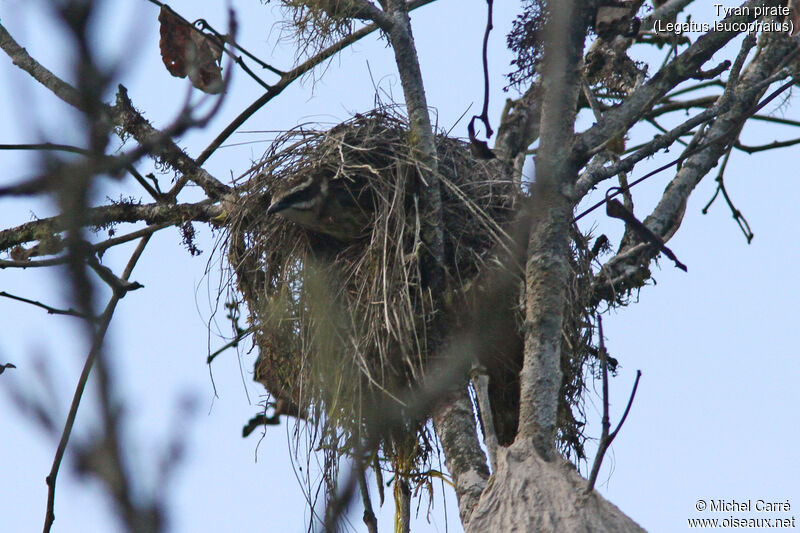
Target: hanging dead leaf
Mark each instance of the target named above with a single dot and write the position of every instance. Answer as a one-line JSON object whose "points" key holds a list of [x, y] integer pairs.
{"points": [[187, 51]]}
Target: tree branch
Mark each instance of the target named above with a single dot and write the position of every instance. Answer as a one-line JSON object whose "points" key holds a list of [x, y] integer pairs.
{"points": [[155, 214], [683, 67], [607, 437], [50, 310], [519, 127], [423, 145], [629, 268], [547, 266], [122, 115], [97, 342], [455, 427], [19, 56], [290, 76]]}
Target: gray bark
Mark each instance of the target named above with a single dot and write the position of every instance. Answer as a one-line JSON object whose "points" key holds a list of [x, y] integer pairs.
{"points": [[529, 494], [455, 426]]}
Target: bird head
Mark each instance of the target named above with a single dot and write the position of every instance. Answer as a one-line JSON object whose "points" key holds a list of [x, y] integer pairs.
{"points": [[300, 201], [323, 207]]}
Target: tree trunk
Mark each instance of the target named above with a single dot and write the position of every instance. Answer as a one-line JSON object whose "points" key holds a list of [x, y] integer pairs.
{"points": [[527, 493]]}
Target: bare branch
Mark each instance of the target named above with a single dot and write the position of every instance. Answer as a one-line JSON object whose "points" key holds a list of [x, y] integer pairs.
{"points": [[667, 11], [120, 287], [776, 120], [607, 438], [480, 149], [592, 176], [615, 209], [402, 495], [160, 145], [364, 9], [670, 106], [764, 147], [102, 328], [56, 85], [155, 214], [424, 145], [519, 126], [712, 143], [369, 515], [290, 76], [683, 67], [123, 115], [77, 150], [455, 427], [547, 266], [50, 310], [737, 215]]}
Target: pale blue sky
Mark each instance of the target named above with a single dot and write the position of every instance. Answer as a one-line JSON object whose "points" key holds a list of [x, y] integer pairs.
{"points": [[716, 416]]}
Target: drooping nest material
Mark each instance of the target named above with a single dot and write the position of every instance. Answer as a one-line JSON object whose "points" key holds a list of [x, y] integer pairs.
{"points": [[343, 327], [610, 71]]}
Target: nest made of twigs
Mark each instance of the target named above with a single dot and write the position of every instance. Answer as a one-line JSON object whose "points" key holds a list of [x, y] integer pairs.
{"points": [[344, 327], [375, 306]]}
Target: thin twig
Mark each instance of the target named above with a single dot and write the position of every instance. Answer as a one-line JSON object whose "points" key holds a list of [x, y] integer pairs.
{"points": [[119, 286], [740, 219], [591, 178], [627, 408], [50, 310], [369, 514], [235, 342], [662, 168], [774, 94], [151, 140], [137, 513], [776, 120], [695, 87], [77, 150], [288, 77], [607, 437], [763, 147], [722, 104], [157, 214], [203, 23], [721, 172], [633, 225], [102, 328], [484, 116], [102, 246]]}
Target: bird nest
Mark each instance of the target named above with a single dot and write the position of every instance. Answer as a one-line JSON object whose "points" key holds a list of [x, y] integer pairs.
{"points": [[344, 325]]}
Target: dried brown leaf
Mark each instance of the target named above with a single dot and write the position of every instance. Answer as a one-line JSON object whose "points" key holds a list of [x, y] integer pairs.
{"points": [[187, 51]]}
